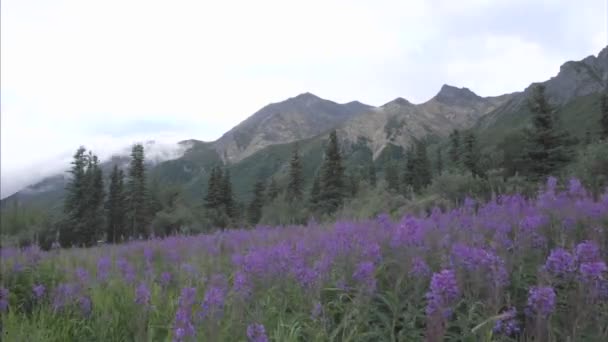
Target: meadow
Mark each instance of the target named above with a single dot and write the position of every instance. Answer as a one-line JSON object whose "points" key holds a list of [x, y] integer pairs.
{"points": [[512, 269]]}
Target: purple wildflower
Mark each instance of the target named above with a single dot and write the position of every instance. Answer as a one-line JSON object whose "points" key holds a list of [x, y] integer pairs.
{"points": [[38, 290], [593, 271], [85, 304], [443, 292], [165, 279], [365, 275], [82, 275], [213, 301], [420, 269], [142, 295], [3, 299], [317, 310], [127, 270], [541, 301], [256, 333], [587, 251], [64, 295], [241, 284], [183, 326], [507, 325], [103, 268], [560, 263]]}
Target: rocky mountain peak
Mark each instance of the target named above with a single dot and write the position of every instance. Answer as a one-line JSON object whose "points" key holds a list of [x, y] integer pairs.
{"points": [[398, 102], [452, 95]]}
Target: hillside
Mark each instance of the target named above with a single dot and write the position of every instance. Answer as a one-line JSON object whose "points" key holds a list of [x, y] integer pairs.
{"points": [[260, 146]]}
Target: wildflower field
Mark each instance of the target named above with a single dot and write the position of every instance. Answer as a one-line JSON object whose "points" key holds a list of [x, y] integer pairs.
{"points": [[508, 270]]}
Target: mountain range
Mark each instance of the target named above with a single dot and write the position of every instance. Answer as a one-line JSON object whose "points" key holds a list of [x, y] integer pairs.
{"points": [[260, 146]]}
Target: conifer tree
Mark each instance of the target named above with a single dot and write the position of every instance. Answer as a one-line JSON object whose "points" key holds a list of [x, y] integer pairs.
{"points": [[94, 218], [391, 175], [227, 195], [137, 194], [115, 207], [408, 178], [255, 206], [294, 187], [455, 147], [213, 198], [273, 190], [604, 117], [75, 201], [372, 175], [439, 161], [422, 167], [332, 176], [548, 148], [315, 194], [471, 154]]}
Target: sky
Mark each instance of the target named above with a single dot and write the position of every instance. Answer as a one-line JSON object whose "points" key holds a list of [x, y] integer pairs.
{"points": [[106, 74]]}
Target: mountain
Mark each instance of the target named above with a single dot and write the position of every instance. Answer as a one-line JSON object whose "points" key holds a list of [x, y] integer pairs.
{"points": [[260, 146], [399, 122], [574, 92], [296, 118]]}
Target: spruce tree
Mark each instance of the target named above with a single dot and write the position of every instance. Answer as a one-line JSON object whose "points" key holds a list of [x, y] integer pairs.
{"points": [[408, 178], [294, 187], [94, 218], [604, 117], [115, 207], [255, 206], [137, 194], [227, 195], [439, 161], [315, 194], [273, 190], [213, 198], [391, 176], [332, 176], [422, 167], [470, 154], [548, 148], [75, 201], [371, 172], [454, 151]]}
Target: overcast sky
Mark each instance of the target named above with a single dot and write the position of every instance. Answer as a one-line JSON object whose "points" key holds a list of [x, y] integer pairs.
{"points": [[108, 73]]}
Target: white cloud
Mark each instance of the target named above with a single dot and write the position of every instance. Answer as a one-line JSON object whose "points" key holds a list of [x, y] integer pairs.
{"points": [[73, 71]]}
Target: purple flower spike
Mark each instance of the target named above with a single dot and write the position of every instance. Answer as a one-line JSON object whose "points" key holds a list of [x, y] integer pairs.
{"points": [[3, 299], [541, 301], [507, 325], [142, 295], [256, 333], [38, 291], [443, 293], [560, 263]]}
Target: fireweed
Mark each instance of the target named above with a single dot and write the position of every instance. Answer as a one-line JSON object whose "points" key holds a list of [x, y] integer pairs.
{"points": [[459, 268]]}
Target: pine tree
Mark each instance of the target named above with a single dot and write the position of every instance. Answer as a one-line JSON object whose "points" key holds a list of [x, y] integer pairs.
{"points": [[115, 207], [94, 218], [422, 167], [213, 198], [548, 148], [439, 161], [604, 112], [273, 190], [455, 147], [75, 201], [408, 178], [391, 176], [470, 154], [372, 175], [255, 206], [315, 194], [227, 195], [332, 176], [137, 194], [294, 187]]}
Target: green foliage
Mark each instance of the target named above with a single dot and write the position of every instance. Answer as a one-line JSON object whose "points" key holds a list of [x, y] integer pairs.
{"points": [[295, 184], [282, 212], [547, 150], [137, 196], [591, 166], [391, 176], [115, 207], [273, 190], [254, 211], [332, 177], [454, 151]]}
